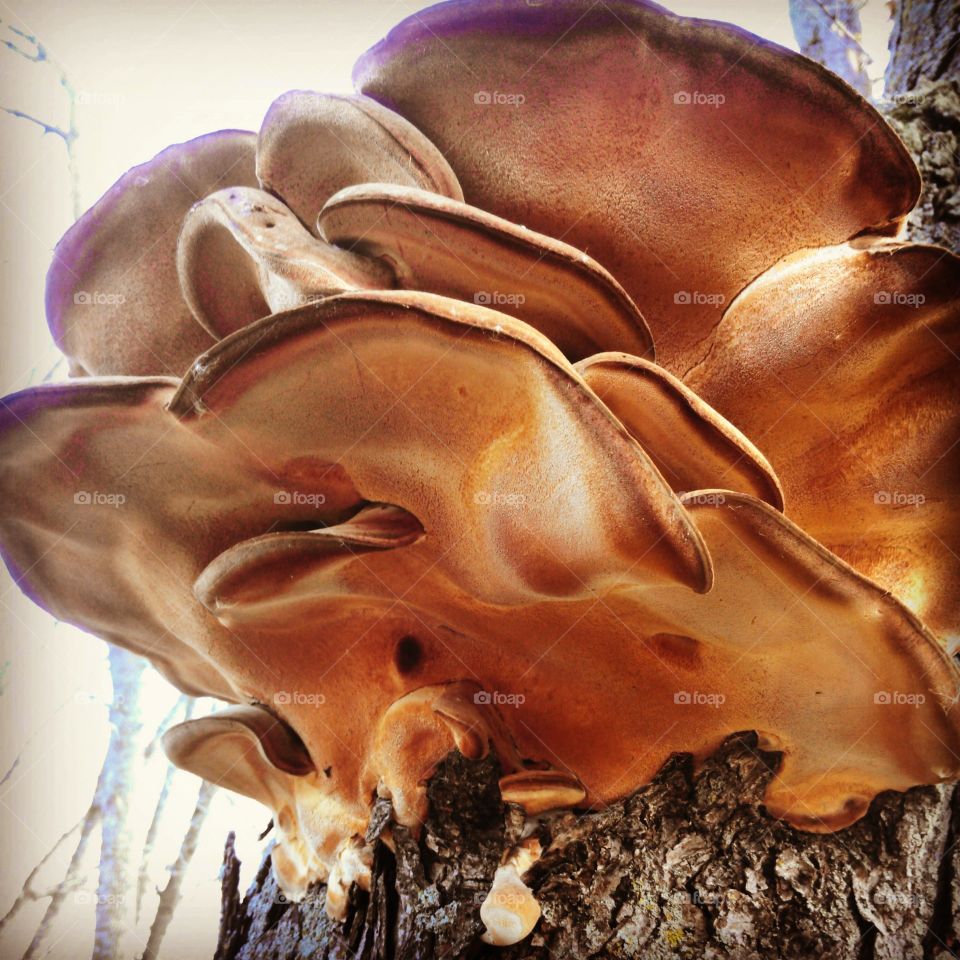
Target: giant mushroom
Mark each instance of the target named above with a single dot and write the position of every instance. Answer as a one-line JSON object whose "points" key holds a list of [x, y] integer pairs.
{"points": [[384, 520]]}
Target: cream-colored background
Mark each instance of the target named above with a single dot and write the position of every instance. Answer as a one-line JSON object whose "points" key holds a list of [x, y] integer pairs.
{"points": [[148, 73]]}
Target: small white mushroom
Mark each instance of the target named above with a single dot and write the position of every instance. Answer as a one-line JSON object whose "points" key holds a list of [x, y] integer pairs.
{"points": [[353, 865], [510, 910]]}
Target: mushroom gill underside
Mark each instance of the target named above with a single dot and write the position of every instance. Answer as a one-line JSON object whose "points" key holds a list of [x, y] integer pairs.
{"points": [[374, 442]]}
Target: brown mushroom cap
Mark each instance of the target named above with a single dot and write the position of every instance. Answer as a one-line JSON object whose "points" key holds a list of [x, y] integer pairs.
{"points": [[113, 298], [243, 255], [266, 576], [94, 493], [423, 402], [267, 745], [444, 246], [538, 791], [691, 444], [469, 409], [414, 735], [313, 144], [859, 677], [632, 134], [250, 751], [843, 365]]}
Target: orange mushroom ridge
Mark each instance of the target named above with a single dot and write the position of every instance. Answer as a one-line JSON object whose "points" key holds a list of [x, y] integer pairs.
{"points": [[514, 422]]}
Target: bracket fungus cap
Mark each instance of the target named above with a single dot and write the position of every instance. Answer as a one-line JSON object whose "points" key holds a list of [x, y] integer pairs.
{"points": [[313, 144], [113, 298], [243, 255], [527, 102], [447, 247]]}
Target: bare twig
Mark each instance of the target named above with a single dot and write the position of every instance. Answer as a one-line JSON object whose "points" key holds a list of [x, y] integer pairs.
{"points": [[13, 766], [90, 821], [69, 133], [184, 703], [854, 38], [171, 892], [27, 893], [126, 671], [149, 842], [829, 32]]}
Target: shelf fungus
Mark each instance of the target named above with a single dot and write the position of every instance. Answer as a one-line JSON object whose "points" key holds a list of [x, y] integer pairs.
{"points": [[584, 427]]}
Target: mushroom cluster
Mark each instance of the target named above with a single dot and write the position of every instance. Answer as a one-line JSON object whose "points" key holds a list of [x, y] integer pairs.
{"points": [[368, 436]]}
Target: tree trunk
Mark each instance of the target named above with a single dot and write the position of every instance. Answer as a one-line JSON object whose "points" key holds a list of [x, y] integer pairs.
{"points": [[922, 103], [687, 866]]}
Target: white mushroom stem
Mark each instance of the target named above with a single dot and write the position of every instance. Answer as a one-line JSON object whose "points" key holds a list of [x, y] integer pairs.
{"points": [[353, 865], [510, 910], [295, 864]]}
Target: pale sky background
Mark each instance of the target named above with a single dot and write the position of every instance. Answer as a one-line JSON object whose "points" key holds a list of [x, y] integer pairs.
{"points": [[149, 73]]}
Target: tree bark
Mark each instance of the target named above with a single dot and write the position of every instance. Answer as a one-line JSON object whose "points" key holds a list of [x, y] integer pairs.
{"points": [[689, 866], [922, 103]]}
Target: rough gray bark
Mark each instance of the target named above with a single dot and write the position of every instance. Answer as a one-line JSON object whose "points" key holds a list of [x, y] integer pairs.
{"points": [[686, 867], [922, 102]]}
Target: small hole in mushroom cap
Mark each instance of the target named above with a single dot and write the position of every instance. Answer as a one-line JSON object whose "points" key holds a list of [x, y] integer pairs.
{"points": [[679, 650], [407, 655]]}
